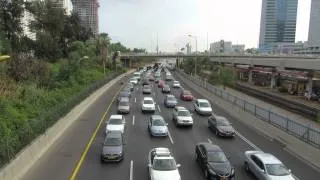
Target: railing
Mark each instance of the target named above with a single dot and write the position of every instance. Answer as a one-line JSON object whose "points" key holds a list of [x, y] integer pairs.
{"points": [[303, 132]]}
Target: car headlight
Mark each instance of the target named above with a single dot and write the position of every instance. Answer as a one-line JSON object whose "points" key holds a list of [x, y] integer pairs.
{"points": [[212, 172], [232, 171]]}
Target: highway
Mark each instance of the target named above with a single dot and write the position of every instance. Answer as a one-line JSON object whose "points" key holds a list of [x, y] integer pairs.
{"points": [[62, 159]]}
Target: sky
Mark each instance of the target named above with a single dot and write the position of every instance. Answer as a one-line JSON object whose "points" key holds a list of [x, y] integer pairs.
{"points": [[137, 23]]}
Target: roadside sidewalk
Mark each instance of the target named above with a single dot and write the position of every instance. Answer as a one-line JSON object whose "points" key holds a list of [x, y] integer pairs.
{"points": [[291, 144]]}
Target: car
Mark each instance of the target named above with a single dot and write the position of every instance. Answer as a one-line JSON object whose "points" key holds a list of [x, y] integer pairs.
{"points": [[137, 75], [166, 89], [133, 80], [123, 93], [176, 84], [115, 123], [151, 78], [130, 86], [146, 89], [145, 81], [182, 117], [213, 162], [169, 77], [124, 105], [186, 95], [157, 79], [170, 101], [157, 126], [162, 165], [113, 147], [160, 83], [221, 126], [203, 107], [265, 166], [148, 105]]}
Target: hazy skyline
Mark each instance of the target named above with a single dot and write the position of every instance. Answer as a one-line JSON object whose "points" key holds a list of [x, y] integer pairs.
{"points": [[135, 23]]}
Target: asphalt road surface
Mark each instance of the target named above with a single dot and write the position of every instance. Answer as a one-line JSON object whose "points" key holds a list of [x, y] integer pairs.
{"points": [[60, 161]]}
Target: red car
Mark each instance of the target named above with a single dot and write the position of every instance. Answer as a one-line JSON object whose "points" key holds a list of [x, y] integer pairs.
{"points": [[161, 84], [186, 95]]}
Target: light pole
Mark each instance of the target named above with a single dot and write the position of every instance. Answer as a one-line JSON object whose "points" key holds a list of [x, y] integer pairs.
{"points": [[195, 68]]}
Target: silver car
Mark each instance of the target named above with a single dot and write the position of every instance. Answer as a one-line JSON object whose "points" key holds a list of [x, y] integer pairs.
{"points": [[124, 106], [157, 126], [146, 89], [170, 101], [182, 117], [265, 166]]}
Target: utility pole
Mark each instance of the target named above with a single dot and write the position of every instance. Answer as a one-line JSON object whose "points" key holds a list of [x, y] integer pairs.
{"points": [[157, 44]]}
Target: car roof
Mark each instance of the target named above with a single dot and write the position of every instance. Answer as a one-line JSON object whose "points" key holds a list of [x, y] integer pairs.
{"points": [[117, 116], [210, 147], [148, 98], [268, 158], [162, 151], [220, 118], [170, 95], [114, 134], [202, 100]]}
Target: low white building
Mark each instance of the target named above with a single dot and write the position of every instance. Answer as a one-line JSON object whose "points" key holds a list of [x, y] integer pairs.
{"points": [[238, 48], [221, 47]]}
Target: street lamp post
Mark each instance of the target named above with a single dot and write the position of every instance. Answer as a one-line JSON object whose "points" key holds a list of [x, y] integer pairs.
{"points": [[195, 68]]}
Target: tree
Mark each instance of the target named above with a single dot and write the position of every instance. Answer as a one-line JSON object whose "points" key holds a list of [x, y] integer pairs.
{"points": [[226, 76], [10, 23], [118, 47], [102, 45], [137, 50]]}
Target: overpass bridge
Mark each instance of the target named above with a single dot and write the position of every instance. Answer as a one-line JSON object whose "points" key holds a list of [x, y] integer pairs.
{"points": [[284, 62]]}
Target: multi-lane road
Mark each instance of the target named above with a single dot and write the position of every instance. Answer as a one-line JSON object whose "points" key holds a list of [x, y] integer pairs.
{"points": [[67, 153]]}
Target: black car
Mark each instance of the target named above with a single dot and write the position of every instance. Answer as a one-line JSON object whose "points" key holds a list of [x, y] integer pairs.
{"points": [[213, 162], [221, 126], [112, 150], [166, 89]]}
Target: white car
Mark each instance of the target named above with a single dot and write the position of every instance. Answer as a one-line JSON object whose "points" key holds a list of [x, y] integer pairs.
{"points": [[115, 123], [134, 80], [203, 107], [176, 84], [148, 105], [182, 117], [137, 75], [265, 166], [162, 165]]}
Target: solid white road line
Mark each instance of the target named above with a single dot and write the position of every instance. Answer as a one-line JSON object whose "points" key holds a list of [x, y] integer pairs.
{"points": [[170, 137], [135, 99], [132, 120], [159, 108], [209, 141], [247, 141], [131, 170]]}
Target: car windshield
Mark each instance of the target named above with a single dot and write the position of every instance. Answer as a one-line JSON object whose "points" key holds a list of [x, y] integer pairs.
{"points": [[277, 170], [204, 104], [223, 122], [164, 164], [123, 103], [183, 113], [115, 121], [146, 87], [158, 122], [217, 157], [147, 102], [133, 79], [113, 141], [171, 98]]}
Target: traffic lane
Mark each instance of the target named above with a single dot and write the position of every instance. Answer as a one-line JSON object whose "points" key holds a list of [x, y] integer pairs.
{"points": [[61, 158], [92, 167], [187, 138], [299, 168]]}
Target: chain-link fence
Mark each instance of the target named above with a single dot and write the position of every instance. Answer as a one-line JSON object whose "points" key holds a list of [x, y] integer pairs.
{"points": [[303, 132]]}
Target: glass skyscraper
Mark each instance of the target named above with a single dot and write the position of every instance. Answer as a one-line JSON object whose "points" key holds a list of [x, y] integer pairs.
{"points": [[314, 25], [278, 23]]}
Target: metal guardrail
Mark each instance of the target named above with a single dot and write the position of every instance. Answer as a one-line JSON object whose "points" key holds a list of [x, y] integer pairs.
{"points": [[303, 132]]}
